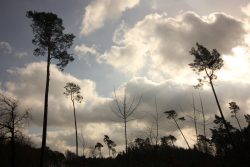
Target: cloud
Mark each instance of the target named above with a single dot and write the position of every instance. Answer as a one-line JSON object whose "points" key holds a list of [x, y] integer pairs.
{"points": [[94, 116], [83, 50], [21, 54], [98, 11], [5, 47], [246, 9], [162, 43], [30, 88]]}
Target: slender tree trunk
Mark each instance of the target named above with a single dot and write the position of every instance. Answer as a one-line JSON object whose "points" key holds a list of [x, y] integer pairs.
{"points": [[195, 124], [45, 116], [182, 133], [157, 124], [12, 150], [125, 123], [204, 121], [237, 121], [221, 113], [75, 127], [13, 140], [125, 132]]}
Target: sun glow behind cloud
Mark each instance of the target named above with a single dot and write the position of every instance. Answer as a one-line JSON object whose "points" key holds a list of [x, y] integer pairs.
{"points": [[236, 66]]}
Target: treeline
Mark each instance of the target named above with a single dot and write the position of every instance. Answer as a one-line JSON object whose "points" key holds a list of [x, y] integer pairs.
{"points": [[217, 150], [142, 152]]}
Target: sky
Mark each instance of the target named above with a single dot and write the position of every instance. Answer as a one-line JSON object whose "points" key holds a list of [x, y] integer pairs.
{"points": [[140, 47]]}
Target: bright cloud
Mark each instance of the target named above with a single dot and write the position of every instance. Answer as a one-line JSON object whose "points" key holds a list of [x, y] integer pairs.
{"points": [[246, 9], [94, 116], [236, 66], [163, 43], [30, 88], [83, 50], [98, 11]]}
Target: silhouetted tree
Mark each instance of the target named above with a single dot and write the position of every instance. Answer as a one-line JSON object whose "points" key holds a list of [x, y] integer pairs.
{"points": [[168, 140], [234, 110], [171, 114], [73, 90], [49, 38], [11, 121], [99, 146], [124, 111], [205, 145], [247, 117], [208, 62], [142, 143], [70, 155], [220, 136], [110, 144]]}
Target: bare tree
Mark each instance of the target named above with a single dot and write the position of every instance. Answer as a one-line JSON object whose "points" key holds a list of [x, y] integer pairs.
{"points": [[84, 143], [11, 121], [73, 90], [124, 111], [92, 152], [204, 123], [195, 121], [171, 114], [234, 110], [49, 38], [150, 134], [156, 118]]}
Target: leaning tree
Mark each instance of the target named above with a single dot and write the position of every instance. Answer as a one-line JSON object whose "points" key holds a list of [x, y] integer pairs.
{"points": [[73, 91], [171, 114], [208, 62], [49, 40]]}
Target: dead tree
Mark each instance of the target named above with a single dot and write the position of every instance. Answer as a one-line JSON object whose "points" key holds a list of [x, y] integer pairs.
{"points": [[195, 122], [124, 110], [11, 121], [156, 118], [204, 123], [84, 143]]}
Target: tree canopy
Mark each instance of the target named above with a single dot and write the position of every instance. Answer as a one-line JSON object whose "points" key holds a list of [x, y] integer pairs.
{"points": [[49, 37]]}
